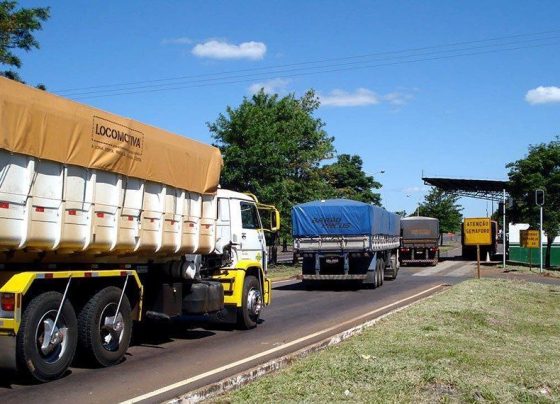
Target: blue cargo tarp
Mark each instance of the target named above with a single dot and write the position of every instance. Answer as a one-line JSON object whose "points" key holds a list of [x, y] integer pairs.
{"points": [[342, 217]]}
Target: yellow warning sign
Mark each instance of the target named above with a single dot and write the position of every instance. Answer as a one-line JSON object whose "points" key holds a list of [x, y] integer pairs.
{"points": [[529, 238], [478, 231]]}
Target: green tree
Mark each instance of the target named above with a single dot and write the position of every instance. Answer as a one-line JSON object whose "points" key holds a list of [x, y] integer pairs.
{"points": [[348, 180], [540, 169], [16, 32], [273, 148], [444, 207]]}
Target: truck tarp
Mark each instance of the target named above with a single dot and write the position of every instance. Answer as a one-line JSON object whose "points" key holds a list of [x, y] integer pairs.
{"points": [[342, 217], [419, 227], [45, 126]]}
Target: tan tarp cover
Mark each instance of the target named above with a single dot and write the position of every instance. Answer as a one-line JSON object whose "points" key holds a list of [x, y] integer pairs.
{"points": [[49, 127]]}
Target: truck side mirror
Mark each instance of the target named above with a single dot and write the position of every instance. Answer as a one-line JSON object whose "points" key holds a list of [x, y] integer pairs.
{"points": [[270, 217]]}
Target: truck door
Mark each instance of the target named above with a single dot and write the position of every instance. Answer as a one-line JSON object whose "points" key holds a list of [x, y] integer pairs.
{"points": [[251, 241], [223, 225]]}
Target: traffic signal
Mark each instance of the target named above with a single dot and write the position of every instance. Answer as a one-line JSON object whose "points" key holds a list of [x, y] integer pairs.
{"points": [[539, 197]]}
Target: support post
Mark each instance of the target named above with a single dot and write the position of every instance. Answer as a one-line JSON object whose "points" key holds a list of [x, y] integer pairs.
{"points": [[478, 261], [504, 238], [540, 241], [539, 200]]}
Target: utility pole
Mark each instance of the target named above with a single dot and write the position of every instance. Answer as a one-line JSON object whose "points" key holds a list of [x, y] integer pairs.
{"points": [[539, 200], [504, 244]]}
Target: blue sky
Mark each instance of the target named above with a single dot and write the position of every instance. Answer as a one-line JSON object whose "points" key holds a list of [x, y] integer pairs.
{"points": [[453, 116]]}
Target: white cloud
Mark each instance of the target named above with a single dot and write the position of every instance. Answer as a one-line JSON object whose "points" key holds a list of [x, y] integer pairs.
{"points": [[341, 98], [543, 95], [397, 98], [177, 41], [270, 86], [222, 50]]}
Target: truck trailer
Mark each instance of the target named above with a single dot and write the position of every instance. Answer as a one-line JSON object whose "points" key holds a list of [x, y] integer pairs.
{"points": [[419, 240], [345, 240], [104, 222]]}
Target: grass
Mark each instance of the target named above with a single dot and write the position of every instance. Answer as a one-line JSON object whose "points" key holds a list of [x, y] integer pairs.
{"points": [[480, 341], [279, 272]]}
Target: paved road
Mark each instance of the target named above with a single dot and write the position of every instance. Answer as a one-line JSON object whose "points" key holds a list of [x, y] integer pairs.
{"points": [[165, 358]]}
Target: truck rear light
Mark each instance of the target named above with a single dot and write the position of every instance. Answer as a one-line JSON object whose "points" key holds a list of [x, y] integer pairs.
{"points": [[433, 249], [4, 205], [8, 301]]}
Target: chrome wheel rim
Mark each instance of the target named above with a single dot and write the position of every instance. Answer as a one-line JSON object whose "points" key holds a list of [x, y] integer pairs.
{"points": [[51, 350], [254, 302], [111, 330]]}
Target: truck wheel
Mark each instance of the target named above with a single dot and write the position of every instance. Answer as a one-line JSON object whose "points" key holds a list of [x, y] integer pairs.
{"points": [[36, 356], [104, 339], [248, 313], [380, 269], [394, 266], [436, 259]]}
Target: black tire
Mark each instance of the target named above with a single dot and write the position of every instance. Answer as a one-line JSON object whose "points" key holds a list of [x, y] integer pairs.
{"points": [[248, 313], [394, 267], [380, 268], [100, 342], [52, 361]]}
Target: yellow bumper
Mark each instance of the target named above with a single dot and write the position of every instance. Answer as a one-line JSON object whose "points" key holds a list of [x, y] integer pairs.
{"points": [[232, 280]]}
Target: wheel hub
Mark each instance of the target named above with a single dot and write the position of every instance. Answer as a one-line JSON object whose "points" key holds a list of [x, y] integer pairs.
{"points": [[51, 339], [112, 331], [254, 302]]}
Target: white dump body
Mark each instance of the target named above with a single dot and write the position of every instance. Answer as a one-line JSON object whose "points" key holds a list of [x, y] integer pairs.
{"points": [[65, 210]]}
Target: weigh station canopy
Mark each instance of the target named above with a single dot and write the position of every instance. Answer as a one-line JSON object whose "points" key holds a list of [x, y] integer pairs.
{"points": [[492, 190]]}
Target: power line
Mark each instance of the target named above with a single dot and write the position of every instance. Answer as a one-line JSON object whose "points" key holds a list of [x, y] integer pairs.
{"points": [[294, 72], [320, 61], [194, 85]]}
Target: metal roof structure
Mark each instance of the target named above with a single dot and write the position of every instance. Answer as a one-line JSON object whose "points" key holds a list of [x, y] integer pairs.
{"points": [[492, 190]]}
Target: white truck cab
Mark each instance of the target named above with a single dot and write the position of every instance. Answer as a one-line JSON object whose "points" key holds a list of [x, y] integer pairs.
{"points": [[239, 227]]}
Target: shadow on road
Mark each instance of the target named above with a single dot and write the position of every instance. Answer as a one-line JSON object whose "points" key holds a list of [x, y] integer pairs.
{"points": [[332, 286], [154, 334]]}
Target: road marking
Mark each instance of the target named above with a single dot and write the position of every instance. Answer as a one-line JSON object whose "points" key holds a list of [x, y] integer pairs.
{"points": [[270, 351]]}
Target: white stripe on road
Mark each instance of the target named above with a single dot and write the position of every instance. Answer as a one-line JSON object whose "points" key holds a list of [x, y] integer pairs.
{"points": [[270, 351]]}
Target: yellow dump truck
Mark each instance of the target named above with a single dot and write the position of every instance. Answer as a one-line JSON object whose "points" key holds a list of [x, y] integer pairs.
{"points": [[105, 221]]}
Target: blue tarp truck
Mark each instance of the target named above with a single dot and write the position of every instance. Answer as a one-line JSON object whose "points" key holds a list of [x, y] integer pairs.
{"points": [[341, 239]]}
